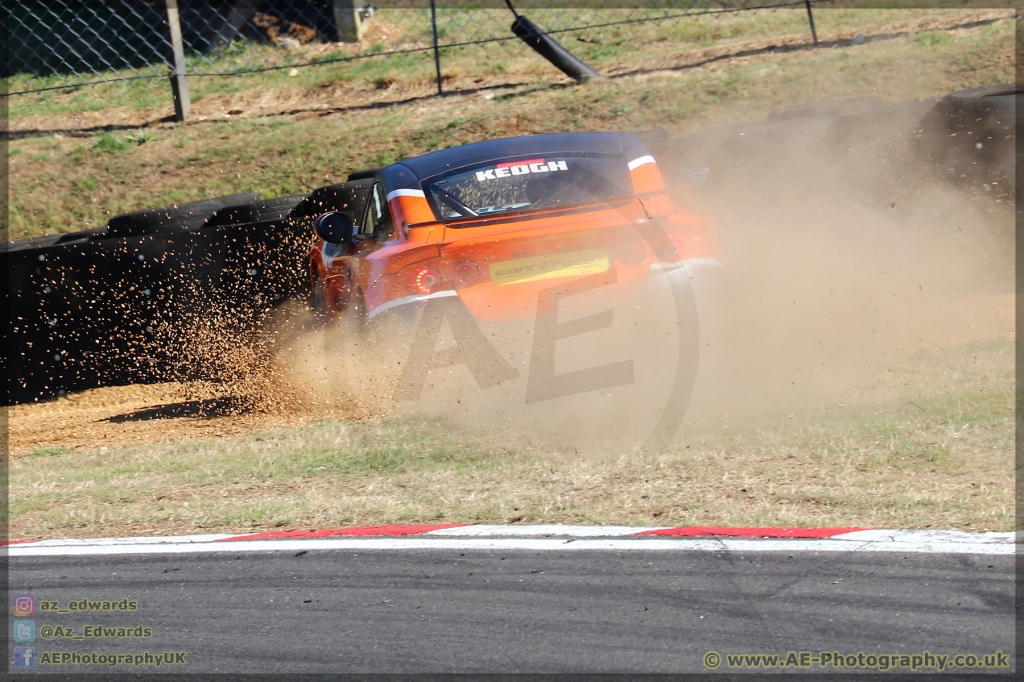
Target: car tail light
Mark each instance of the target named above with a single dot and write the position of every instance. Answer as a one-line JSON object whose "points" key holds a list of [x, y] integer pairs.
{"points": [[467, 273], [425, 279], [632, 254]]}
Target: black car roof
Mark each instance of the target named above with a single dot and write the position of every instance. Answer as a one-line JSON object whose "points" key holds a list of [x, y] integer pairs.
{"points": [[409, 173]]}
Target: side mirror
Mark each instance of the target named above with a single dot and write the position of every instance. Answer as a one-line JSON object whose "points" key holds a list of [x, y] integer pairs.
{"points": [[334, 227]]}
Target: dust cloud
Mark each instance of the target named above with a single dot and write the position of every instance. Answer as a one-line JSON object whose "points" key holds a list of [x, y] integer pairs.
{"points": [[845, 257]]}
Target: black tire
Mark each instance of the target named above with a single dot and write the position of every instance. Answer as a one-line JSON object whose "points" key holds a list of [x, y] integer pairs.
{"points": [[30, 244], [968, 137], [346, 197], [267, 210], [189, 216], [991, 100]]}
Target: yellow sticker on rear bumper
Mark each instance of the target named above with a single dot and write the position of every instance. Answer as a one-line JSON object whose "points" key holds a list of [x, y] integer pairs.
{"points": [[549, 267]]}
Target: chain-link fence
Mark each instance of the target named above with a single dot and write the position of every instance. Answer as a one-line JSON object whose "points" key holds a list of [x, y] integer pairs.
{"points": [[67, 45]]}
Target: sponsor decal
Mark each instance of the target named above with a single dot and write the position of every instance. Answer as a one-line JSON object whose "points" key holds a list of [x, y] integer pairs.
{"points": [[510, 168], [549, 267]]}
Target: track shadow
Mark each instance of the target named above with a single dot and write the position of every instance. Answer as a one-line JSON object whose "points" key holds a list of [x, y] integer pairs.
{"points": [[211, 408]]}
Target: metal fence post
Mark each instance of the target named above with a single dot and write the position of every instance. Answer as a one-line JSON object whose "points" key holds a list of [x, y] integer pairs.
{"points": [[810, 18], [179, 82], [437, 53], [348, 21]]}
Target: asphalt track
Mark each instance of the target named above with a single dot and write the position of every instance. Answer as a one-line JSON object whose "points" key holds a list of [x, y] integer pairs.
{"points": [[505, 611]]}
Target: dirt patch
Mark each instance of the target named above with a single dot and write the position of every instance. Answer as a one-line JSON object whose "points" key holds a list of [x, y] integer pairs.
{"points": [[120, 416]]}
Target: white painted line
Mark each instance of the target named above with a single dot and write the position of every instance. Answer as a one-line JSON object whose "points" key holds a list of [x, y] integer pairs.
{"points": [[410, 299], [646, 544], [636, 163], [688, 263], [156, 540], [406, 193], [542, 531], [924, 536]]}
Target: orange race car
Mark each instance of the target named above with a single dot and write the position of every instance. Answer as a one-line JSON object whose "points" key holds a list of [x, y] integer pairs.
{"points": [[501, 225]]}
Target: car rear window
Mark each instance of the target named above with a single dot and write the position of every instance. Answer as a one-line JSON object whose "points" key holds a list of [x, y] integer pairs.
{"points": [[532, 183]]}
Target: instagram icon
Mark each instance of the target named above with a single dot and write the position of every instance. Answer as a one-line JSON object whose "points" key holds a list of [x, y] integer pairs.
{"points": [[23, 605]]}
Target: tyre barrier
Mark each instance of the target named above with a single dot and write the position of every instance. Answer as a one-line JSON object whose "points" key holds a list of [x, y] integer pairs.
{"points": [[87, 309], [969, 138], [193, 215]]}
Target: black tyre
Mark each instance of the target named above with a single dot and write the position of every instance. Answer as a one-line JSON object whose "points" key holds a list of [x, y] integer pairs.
{"points": [[992, 100], [267, 210], [190, 216], [346, 197], [30, 244], [969, 136]]}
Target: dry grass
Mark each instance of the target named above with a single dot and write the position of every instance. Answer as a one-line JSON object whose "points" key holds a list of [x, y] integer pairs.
{"points": [[937, 454]]}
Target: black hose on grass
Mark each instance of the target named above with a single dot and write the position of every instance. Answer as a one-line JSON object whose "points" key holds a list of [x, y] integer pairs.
{"points": [[550, 49]]}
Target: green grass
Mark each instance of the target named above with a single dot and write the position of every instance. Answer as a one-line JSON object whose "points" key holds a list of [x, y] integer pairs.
{"points": [[49, 452], [108, 142]]}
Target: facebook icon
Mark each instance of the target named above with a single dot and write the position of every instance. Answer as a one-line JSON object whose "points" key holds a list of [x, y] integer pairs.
{"points": [[24, 656]]}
